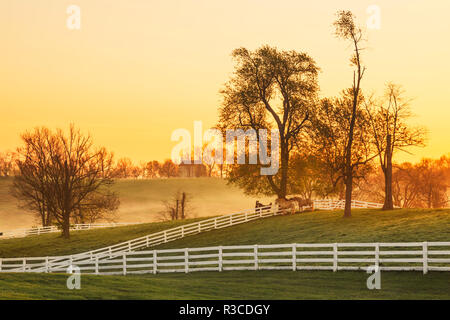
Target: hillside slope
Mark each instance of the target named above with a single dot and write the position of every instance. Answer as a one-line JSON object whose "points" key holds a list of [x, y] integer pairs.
{"points": [[366, 225], [141, 200]]}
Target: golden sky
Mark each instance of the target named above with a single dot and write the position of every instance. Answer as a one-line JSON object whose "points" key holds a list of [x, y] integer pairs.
{"points": [[139, 69]]}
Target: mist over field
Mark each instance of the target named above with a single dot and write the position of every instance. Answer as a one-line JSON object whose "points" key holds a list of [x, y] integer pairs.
{"points": [[141, 200]]}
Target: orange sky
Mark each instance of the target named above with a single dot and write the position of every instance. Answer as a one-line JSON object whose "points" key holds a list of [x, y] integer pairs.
{"points": [[139, 69]]}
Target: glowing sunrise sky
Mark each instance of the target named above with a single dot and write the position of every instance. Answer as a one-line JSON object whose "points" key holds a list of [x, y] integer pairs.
{"points": [[137, 70]]}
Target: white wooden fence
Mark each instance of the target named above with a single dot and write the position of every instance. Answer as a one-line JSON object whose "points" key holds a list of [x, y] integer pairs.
{"points": [[61, 262], [20, 233], [330, 204], [407, 256], [325, 204]]}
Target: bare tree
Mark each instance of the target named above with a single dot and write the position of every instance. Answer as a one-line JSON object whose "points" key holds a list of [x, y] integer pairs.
{"points": [[152, 169], [176, 208], [348, 30], [7, 164], [391, 133], [63, 177], [168, 169], [124, 168]]}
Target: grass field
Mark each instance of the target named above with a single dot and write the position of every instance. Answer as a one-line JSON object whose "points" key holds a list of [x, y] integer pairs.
{"points": [[229, 285], [51, 244], [313, 227], [310, 227], [141, 200]]}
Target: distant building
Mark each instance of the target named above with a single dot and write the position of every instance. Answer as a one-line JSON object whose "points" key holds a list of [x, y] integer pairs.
{"points": [[191, 170]]}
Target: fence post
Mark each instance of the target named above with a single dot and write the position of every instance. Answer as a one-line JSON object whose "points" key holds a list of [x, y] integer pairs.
{"points": [[165, 236], [0, 264], [186, 260], [182, 231], [46, 265], [425, 257], [199, 227], [124, 260], [129, 245], [215, 223], [24, 264], [335, 257], [377, 255], [220, 259], [294, 257], [255, 254], [146, 241], [155, 262], [96, 265], [246, 214]]}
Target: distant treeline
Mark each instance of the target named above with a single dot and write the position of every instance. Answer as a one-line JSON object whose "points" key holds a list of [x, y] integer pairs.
{"points": [[423, 184], [125, 168]]}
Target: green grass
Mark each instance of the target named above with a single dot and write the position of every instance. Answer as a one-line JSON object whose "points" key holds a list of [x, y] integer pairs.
{"points": [[229, 285], [309, 227], [366, 225], [51, 244], [141, 200]]}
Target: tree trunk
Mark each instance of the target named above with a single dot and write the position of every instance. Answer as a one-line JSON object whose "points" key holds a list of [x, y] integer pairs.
{"points": [[388, 202], [348, 194], [66, 228], [183, 204], [284, 171]]}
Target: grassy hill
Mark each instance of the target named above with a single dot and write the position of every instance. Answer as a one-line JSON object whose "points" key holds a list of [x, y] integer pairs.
{"points": [[52, 244], [320, 226], [141, 200], [366, 225]]}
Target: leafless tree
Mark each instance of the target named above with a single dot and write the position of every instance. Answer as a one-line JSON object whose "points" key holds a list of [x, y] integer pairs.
{"points": [[177, 208], [391, 133], [168, 169], [63, 177], [348, 30]]}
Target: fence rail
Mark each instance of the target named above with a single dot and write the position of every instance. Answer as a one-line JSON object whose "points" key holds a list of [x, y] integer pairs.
{"points": [[62, 262], [330, 204], [325, 204], [20, 233], [407, 256]]}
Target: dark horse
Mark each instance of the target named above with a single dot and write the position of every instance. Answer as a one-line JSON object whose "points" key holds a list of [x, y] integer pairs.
{"points": [[260, 205]]}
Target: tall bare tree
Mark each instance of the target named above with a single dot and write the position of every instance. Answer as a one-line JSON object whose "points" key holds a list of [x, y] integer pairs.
{"points": [[391, 133], [348, 30], [64, 177]]}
